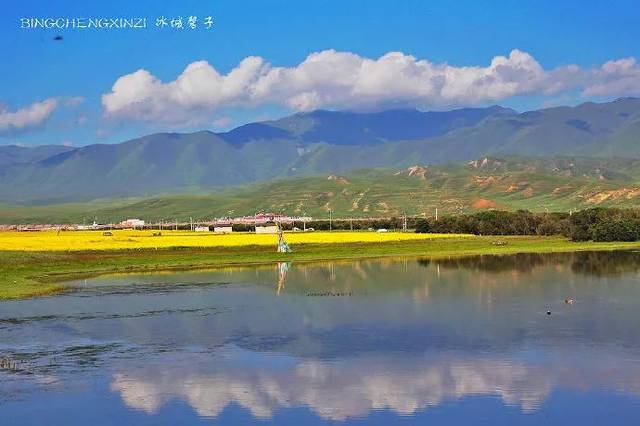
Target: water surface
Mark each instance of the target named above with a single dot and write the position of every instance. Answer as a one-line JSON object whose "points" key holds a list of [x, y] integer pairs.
{"points": [[459, 341]]}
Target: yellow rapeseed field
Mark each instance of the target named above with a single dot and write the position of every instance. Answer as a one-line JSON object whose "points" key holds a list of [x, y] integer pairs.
{"points": [[125, 239]]}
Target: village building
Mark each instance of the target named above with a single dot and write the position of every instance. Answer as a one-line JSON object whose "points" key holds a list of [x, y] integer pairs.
{"points": [[223, 229], [267, 229], [131, 223]]}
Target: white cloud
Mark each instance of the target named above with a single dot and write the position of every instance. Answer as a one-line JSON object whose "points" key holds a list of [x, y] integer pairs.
{"points": [[199, 88], [331, 79], [621, 78], [27, 117]]}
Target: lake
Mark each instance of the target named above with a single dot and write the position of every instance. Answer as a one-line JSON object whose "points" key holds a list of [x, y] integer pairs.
{"points": [[523, 339]]}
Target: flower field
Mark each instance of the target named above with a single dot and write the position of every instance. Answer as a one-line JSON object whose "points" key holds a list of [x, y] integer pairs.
{"points": [[125, 239]]}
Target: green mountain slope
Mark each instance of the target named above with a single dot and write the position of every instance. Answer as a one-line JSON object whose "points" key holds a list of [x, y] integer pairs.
{"points": [[538, 184]]}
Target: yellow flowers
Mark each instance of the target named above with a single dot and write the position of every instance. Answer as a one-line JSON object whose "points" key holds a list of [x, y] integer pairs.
{"points": [[124, 239]]}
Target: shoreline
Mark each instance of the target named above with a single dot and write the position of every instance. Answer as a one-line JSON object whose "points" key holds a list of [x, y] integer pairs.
{"points": [[39, 273]]}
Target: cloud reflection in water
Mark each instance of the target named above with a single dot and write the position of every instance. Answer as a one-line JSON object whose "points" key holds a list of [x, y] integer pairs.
{"points": [[354, 387]]}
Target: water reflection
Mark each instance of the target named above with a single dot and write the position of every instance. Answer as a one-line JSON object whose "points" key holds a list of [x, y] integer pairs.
{"points": [[283, 268], [347, 388], [354, 387], [395, 336]]}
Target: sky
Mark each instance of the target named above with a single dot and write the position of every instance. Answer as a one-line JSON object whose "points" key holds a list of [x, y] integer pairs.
{"points": [[265, 59]]}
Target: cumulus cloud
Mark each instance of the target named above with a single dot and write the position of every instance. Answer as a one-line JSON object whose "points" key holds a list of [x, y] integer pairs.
{"points": [[199, 87], [332, 79], [621, 78], [27, 117]]}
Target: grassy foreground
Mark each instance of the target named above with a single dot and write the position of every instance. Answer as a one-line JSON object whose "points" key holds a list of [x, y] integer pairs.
{"points": [[30, 273]]}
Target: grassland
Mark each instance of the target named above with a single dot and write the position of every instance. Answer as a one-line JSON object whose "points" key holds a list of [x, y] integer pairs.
{"points": [[28, 273]]}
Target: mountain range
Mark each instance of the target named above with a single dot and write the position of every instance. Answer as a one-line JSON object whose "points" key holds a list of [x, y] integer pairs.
{"points": [[536, 184], [318, 143]]}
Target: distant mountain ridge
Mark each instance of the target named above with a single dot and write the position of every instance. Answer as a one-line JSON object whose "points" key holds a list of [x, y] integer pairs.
{"points": [[353, 128], [17, 154], [314, 143]]}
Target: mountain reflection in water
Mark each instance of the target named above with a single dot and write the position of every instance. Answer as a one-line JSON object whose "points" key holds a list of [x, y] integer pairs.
{"points": [[392, 337]]}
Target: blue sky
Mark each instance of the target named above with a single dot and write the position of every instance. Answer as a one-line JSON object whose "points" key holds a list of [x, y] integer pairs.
{"points": [[77, 71]]}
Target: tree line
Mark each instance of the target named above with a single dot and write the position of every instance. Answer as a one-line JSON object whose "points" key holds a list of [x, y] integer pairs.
{"points": [[596, 224]]}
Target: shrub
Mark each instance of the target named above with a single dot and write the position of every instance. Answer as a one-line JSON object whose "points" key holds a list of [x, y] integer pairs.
{"points": [[423, 227], [616, 230]]}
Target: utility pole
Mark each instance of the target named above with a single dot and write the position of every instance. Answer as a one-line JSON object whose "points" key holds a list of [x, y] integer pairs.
{"points": [[191, 222], [436, 214], [404, 221], [330, 219], [351, 223]]}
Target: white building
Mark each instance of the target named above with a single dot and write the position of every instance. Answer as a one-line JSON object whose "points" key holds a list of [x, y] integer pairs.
{"points": [[272, 229], [222, 229], [132, 223], [201, 229]]}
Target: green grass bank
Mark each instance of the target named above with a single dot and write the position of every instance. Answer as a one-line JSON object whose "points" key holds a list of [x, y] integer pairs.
{"points": [[30, 274]]}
